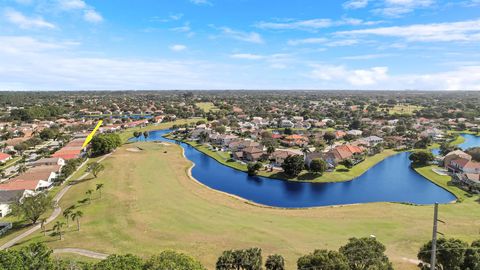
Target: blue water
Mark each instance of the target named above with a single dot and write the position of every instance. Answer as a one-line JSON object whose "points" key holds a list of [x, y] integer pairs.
{"points": [[391, 180], [470, 141]]}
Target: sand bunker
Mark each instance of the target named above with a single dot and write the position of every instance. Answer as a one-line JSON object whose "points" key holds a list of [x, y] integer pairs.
{"points": [[134, 149]]}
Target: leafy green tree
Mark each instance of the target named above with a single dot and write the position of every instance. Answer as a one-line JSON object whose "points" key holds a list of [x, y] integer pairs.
{"points": [[365, 254], [146, 134], [324, 260], [11, 260], [32, 207], [329, 137], [421, 158], [318, 166], [247, 259], [472, 257], [348, 163], [475, 153], [293, 165], [171, 260], [104, 143], [450, 254], [253, 168], [95, 168], [275, 262], [137, 134], [120, 262], [221, 129]]}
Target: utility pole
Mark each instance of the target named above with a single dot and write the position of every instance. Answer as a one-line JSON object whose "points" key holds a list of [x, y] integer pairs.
{"points": [[434, 238]]}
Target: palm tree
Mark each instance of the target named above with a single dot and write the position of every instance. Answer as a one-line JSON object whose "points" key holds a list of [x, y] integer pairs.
{"points": [[58, 228], [43, 222], [67, 213], [99, 188], [89, 194], [76, 216]]}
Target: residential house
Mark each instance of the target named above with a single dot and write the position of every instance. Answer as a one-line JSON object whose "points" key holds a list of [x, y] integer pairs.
{"points": [[453, 155], [355, 132], [342, 152], [287, 124], [372, 140], [48, 162], [295, 140], [279, 155], [462, 165], [9, 197], [4, 157], [313, 155]]}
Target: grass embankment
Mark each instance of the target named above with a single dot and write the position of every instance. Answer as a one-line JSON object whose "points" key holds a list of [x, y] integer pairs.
{"points": [[9, 163], [341, 173], [442, 180], [150, 204]]}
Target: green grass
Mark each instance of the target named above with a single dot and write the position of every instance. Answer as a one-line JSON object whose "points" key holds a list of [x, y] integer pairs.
{"points": [[404, 109], [442, 180], [206, 106], [149, 204]]}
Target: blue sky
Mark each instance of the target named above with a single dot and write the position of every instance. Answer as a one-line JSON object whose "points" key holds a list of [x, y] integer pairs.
{"points": [[239, 44]]}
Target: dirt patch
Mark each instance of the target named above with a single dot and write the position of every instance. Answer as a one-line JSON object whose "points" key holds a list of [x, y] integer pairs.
{"points": [[134, 149]]}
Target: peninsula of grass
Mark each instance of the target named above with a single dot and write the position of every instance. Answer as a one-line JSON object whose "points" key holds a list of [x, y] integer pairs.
{"points": [[150, 204], [341, 173]]}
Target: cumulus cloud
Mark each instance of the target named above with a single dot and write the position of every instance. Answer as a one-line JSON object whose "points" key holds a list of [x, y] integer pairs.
{"points": [[24, 22], [378, 78], [72, 4]]}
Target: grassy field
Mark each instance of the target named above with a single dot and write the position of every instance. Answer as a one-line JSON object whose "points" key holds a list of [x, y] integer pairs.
{"points": [[404, 109], [150, 204], [341, 173], [206, 106]]}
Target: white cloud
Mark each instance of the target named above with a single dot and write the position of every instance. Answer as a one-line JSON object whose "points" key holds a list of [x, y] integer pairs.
{"points": [[178, 47], [25, 22], [201, 2], [312, 24], [365, 56], [323, 41], [251, 37], [452, 31], [378, 78], [248, 56], [357, 77], [396, 8], [92, 16], [355, 4], [295, 42], [72, 4]]}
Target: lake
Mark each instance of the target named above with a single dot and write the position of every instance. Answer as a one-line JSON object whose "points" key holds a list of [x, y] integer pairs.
{"points": [[391, 180]]}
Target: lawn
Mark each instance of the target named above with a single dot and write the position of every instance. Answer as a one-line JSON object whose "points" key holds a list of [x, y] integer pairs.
{"points": [[150, 204], [404, 109], [206, 106]]}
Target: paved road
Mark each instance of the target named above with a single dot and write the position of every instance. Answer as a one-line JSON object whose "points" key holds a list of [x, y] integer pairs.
{"points": [[56, 211], [82, 252]]}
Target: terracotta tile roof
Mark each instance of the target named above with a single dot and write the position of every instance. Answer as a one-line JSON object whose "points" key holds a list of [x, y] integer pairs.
{"points": [[4, 156], [20, 185]]}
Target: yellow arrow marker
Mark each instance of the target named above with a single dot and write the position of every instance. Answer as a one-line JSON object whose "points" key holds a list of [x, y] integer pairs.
{"points": [[90, 136]]}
